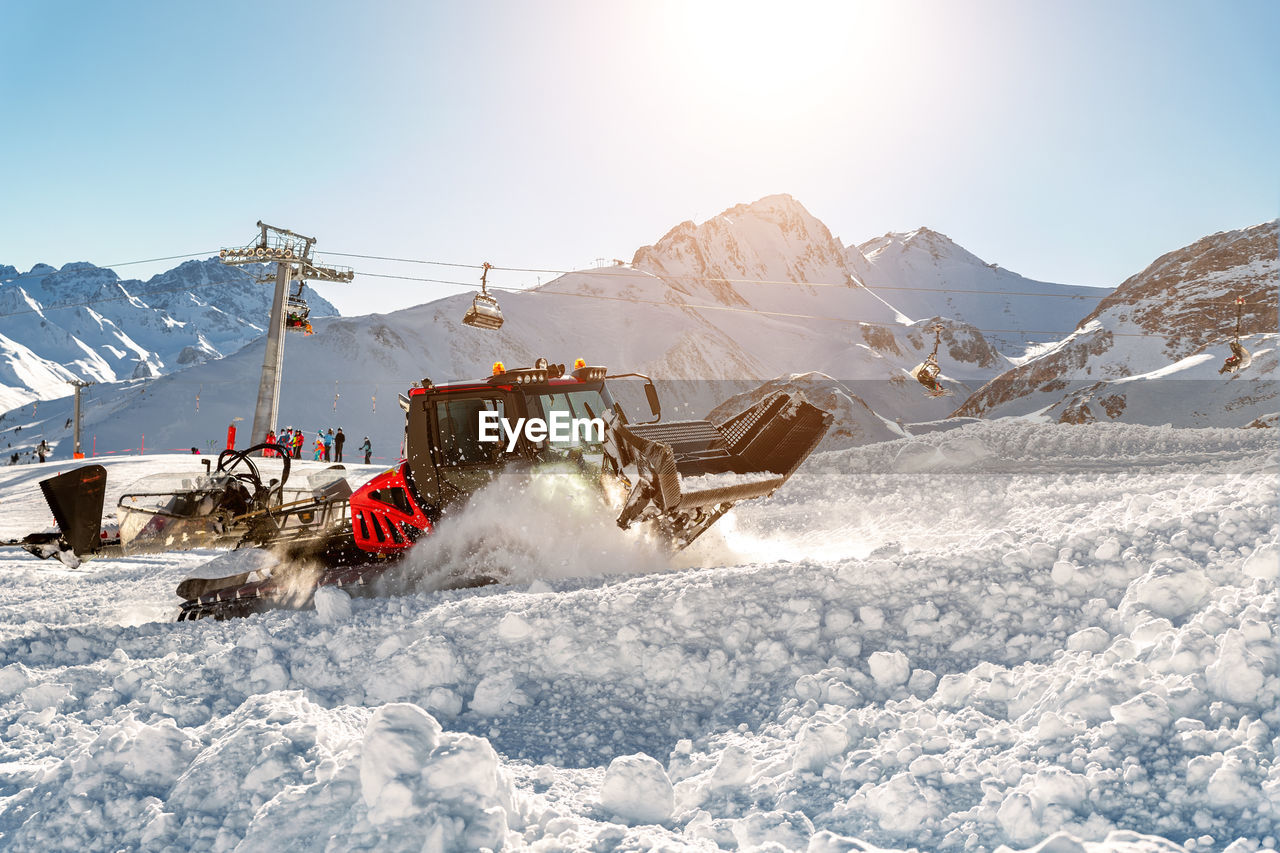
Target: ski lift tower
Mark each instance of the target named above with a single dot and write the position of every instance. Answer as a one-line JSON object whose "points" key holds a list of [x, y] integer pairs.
{"points": [[291, 253], [78, 385]]}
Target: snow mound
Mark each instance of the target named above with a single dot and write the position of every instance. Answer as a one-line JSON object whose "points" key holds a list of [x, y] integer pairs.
{"points": [[449, 785], [1070, 645], [636, 788], [1171, 588], [1264, 563]]}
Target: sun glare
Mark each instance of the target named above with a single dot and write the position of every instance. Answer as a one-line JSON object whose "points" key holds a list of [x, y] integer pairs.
{"points": [[763, 53]]}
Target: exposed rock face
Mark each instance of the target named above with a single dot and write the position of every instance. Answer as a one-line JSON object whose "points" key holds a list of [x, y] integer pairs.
{"points": [[1170, 322], [1048, 373], [1187, 296], [960, 342]]}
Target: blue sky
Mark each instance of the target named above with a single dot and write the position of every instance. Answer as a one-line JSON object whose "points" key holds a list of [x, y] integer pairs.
{"points": [[1068, 141]]}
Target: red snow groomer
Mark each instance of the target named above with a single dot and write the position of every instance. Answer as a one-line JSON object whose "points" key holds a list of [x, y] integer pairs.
{"points": [[678, 476]]}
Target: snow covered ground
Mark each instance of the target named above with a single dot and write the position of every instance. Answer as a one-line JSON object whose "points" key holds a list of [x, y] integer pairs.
{"points": [[975, 637]]}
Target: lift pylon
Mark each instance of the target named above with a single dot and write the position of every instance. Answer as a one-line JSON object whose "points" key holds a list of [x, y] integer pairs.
{"points": [[78, 385], [291, 253]]}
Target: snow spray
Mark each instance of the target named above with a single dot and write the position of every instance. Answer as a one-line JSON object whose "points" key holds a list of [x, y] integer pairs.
{"points": [[524, 527]]}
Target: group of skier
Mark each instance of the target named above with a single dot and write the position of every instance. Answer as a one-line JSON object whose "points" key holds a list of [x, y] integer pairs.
{"points": [[327, 446], [37, 454]]}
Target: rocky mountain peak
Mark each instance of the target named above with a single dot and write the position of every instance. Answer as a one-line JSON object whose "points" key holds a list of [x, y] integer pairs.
{"points": [[923, 245], [1172, 321], [772, 239], [1188, 295]]}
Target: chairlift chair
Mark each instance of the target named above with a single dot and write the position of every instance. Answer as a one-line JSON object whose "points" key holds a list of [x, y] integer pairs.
{"points": [[297, 313], [928, 371], [1240, 357], [484, 312]]}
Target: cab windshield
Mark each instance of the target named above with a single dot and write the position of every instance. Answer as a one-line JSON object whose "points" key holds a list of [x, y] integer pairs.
{"points": [[580, 407]]}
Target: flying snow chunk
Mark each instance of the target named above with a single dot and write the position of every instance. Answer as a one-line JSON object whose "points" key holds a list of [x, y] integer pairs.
{"points": [[332, 604], [636, 788]]}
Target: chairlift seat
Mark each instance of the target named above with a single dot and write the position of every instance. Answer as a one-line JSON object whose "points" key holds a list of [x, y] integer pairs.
{"points": [[297, 314], [926, 373], [484, 313], [1239, 359]]}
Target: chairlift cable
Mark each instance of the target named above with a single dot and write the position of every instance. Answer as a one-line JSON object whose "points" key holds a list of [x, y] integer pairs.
{"points": [[404, 260], [605, 272], [631, 272], [1059, 334], [610, 271]]}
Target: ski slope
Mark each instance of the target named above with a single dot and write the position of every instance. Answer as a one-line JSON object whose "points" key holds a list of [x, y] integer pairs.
{"points": [[991, 635]]}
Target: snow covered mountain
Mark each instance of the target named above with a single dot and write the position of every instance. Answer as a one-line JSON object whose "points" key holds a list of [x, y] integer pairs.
{"points": [[85, 322], [1150, 352], [768, 256], [758, 293], [688, 311], [924, 273]]}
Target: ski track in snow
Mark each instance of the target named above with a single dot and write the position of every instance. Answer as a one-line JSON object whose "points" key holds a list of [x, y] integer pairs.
{"points": [[971, 638]]}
